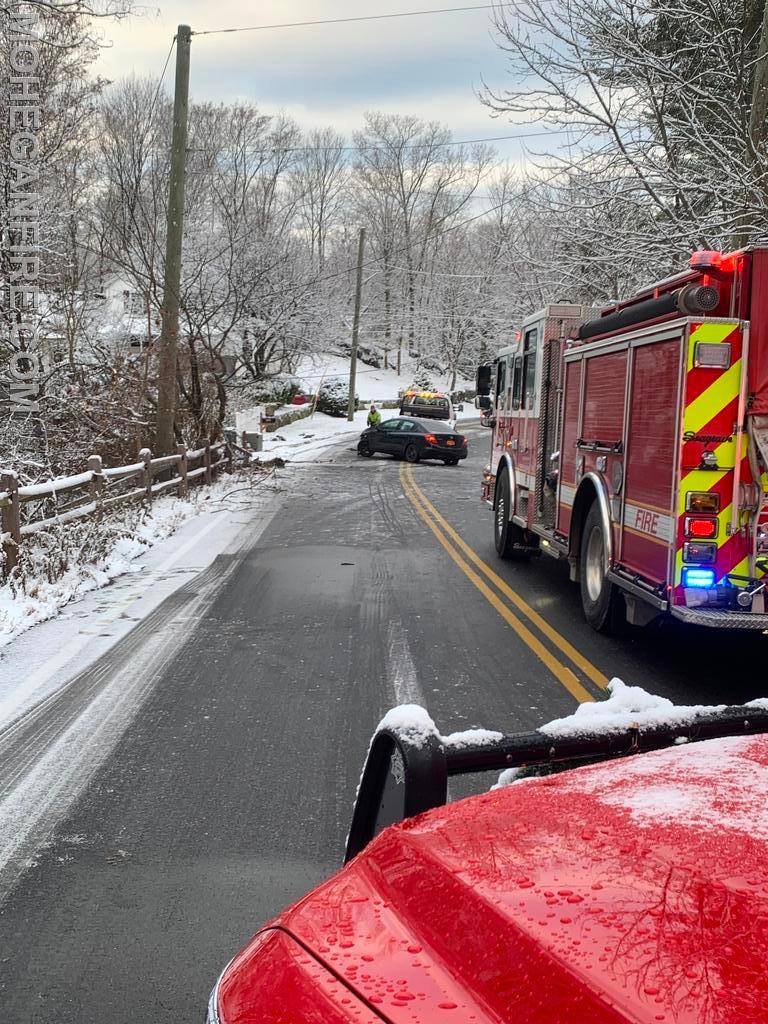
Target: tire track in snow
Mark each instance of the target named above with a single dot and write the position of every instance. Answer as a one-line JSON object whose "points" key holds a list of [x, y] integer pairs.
{"points": [[50, 754], [401, 669]]}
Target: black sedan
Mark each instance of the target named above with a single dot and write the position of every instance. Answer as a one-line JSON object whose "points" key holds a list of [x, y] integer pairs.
{"points": [[413, 439]]}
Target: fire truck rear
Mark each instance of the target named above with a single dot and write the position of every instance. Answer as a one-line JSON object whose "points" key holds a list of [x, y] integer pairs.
{"points": [[635, 445]]}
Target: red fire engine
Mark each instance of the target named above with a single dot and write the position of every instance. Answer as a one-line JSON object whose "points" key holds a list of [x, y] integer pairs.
{"points": [[635, 445]]}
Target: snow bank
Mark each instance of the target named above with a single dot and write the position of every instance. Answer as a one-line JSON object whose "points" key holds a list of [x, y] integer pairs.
{"points": [[312, 435], [371, 383], [135, 529]]}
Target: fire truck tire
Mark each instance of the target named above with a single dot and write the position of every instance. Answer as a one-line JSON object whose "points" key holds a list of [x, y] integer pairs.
{"points": [[411, 453], [601, 600], [505, 533]]}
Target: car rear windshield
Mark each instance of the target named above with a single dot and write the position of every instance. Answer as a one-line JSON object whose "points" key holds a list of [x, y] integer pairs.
{"points": [[424, 402], [439, 428]]}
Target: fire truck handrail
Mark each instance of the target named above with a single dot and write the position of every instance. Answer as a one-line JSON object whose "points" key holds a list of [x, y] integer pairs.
{"points": [[616, 447]]}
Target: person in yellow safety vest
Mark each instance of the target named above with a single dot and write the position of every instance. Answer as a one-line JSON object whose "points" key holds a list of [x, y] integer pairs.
{"points": [[374, 417]]}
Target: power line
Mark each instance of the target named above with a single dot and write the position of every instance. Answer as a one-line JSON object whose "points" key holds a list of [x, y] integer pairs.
{"points": [[404, 248], [160, 83], [346, 21], [440, 273], [388, 149], [414, 145]]}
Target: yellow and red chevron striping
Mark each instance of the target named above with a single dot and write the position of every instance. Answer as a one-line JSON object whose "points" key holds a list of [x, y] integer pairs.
{"points": [[711, 402]]}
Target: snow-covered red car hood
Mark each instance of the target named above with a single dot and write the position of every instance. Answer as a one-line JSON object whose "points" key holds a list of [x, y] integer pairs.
{"points": [[630, 891]]}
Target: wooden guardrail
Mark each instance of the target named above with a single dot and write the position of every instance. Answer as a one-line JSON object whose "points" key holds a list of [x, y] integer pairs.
{"points": [[100, 489]]}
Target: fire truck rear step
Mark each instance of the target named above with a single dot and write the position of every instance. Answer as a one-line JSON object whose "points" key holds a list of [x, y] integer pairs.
{"points": [[720, 618]]}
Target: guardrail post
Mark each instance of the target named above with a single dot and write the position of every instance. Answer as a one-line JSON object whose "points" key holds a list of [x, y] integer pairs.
{"points": [[96, 486], [181, 451], [230, 458], [207, 463], [11, 519], [146, 457]]}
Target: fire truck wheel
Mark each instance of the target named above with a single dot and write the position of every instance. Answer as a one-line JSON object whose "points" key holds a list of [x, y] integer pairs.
{"points": [[602, 603], [411, 453], [506, 534]]}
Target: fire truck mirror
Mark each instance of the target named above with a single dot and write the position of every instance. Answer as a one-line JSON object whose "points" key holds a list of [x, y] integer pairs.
{"points": [[483, 380], [483, 402]]}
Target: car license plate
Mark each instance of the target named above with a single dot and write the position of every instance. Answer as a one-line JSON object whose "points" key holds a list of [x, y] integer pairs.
{"points": [[450, 443]]}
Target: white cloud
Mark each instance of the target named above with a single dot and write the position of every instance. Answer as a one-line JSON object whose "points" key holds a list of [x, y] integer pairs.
{"points": [[326, 75]]}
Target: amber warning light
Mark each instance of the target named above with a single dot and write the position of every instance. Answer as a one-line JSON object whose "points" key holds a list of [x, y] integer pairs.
{"points": [[702, 501]]}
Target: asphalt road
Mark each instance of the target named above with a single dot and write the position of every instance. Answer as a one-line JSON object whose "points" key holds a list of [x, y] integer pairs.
{"points": [[248, 701]]}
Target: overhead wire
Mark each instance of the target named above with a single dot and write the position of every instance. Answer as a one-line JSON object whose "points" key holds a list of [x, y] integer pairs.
{"points": [[160, 82], [364, 18], [408, 146], [346, 21]]}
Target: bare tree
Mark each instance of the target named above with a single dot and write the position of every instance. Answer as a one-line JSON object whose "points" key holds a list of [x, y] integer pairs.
{"points": [[656, 119], [412, 166], [320, 179]]}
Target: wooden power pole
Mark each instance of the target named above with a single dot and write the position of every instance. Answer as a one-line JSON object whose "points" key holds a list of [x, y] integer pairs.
{"points": [[356, 326], [169, 334]]}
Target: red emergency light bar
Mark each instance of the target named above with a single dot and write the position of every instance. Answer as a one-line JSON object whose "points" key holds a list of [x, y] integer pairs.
{"points": [[706, 259]]}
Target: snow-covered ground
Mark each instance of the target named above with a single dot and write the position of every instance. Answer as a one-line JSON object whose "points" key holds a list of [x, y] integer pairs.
{"points": [[317, 435], [81, 616], [372, 384], [311, 437]]}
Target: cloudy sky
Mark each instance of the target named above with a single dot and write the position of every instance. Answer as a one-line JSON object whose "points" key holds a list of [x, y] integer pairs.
{"points": [[429, 66]]}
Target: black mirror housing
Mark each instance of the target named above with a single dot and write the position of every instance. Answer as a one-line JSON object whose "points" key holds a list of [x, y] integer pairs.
{"points": [[483, 379], [404, 775]]}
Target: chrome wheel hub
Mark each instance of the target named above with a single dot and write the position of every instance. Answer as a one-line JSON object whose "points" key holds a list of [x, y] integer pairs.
{"points": [[595, 564]]}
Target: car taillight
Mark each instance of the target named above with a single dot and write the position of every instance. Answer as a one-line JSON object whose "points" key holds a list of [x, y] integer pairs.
{"points": [[701, 529], [430, 439], [464, 442]]}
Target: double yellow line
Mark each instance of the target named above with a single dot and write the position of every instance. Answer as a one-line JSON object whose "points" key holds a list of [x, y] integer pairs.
{"points": [[456, 547]]}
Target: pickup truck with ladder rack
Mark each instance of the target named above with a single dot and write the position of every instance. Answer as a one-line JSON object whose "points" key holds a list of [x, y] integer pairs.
{"points": [[635, 444]]}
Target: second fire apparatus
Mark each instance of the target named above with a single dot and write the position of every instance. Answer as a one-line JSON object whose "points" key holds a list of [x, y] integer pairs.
{"points": [[635, 445]]}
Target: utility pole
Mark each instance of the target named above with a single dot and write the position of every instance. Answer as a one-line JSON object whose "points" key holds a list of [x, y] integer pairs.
{"points": [[169, 334], [356, 326]]}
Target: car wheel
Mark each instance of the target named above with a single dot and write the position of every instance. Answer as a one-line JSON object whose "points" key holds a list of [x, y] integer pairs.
{"points": [[411, 453], [364, 450], [601, 600], [506, 534]]}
